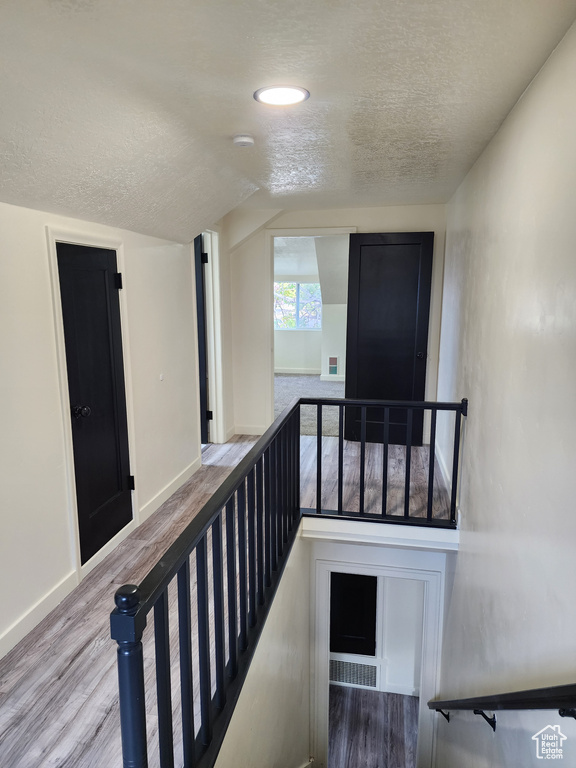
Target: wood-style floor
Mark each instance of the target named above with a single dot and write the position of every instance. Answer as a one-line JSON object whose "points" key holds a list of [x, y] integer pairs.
{"points": [[418, 496], [58, 687], [370, 729]]}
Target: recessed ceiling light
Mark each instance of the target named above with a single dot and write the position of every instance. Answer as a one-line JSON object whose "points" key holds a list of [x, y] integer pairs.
{"points": [[243, 140], [281, 95]]}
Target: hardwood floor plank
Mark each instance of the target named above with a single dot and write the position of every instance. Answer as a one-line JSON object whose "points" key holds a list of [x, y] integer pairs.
{"points": [[373, 478], [58, 686], [371, 729]]}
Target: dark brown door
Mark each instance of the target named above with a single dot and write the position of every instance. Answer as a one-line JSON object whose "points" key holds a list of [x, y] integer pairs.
{"points": [[91, 314], [390, 277]]}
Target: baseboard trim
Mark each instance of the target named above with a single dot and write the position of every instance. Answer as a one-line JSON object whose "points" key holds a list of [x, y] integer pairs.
{"points": [[403, 690], [34, 615], [332, 377], [300, 371], [157, 501], [250, 429], [107, 548]]}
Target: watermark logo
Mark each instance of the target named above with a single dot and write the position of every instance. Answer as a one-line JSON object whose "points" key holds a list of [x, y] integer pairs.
{"points": [[549, 743]]}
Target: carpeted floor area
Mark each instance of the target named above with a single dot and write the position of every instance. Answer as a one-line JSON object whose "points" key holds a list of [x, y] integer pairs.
{"points": [[287, 386]]}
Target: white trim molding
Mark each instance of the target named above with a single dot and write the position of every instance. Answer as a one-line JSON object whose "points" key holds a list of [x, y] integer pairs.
{"points": [[392, 563]]}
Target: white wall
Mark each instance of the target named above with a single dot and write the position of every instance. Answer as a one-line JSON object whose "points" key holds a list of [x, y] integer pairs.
{"points": [[251, 284], [270, 727], [297, 351], [39, 561], [334, 323], [402, 634], [509, 344]]}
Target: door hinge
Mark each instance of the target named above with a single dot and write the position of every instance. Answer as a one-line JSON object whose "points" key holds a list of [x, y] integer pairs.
{"points": [[131, 483], [209, 415], [204, 258], [118, 280]]}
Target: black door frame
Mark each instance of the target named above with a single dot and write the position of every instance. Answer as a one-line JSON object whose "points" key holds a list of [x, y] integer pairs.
{"points": [[200, 258]]}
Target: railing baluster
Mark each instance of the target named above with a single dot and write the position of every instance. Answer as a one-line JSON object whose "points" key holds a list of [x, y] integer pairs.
{"points": [[281, 490], [267, 519], [251, 550], [385, 444], [362, 457], [278, 503], [318, 459], [297, 460], [241, 504], [457, 427], [218, 584], [340, 459], [431, 461], [409, 419], [231, 589], [273, 508], [163, 685], [203, 640], [185, 645], [260, 528], [285, 484], [261, 503], [290, 471]]}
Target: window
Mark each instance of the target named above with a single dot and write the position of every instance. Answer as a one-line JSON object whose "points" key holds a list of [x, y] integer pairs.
{"points": [[297, 306]]}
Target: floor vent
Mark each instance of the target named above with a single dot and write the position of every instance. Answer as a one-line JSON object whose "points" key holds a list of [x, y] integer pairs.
{"points": [[353, 674]]}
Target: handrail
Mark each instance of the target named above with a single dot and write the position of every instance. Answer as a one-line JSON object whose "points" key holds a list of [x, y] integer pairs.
{"points": [[239, 543], [560, 697], [461, 407], [240, 540], [386, 430], [161, 574]]}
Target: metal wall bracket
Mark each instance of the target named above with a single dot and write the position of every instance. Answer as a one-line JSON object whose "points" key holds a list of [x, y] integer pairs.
{"points": [[444, 714], [567, 713], [490, 720]]}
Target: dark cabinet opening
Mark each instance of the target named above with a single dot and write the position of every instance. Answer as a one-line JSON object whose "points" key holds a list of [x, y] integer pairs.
{"points": [[353, 614]]}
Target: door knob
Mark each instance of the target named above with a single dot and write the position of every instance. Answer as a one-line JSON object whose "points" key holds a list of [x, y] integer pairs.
{"points": [[81, 410], [420, 355]]}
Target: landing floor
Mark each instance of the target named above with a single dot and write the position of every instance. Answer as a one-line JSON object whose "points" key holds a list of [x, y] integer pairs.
{"points": [[58, 686], [372, 729]]}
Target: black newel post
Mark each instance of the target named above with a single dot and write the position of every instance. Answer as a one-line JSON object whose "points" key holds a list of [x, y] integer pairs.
{"points": [[127, 628]]}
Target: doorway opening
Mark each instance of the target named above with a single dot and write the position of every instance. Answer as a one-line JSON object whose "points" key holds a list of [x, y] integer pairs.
{"points": [[409, 604], [376, 627], [209, 338], [310, 295]]}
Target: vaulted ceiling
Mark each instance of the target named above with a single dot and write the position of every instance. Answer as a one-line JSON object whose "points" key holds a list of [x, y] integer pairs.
{"points": [[123, 111]]}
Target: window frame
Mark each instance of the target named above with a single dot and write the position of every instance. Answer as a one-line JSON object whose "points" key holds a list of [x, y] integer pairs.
{"points": [[297, 327]]}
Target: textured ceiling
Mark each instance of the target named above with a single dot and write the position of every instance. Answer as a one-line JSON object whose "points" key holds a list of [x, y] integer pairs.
{"points": [[122, 111], [295, 257]]}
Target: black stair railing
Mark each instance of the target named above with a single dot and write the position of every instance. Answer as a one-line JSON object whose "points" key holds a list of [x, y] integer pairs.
{"points": [[209, 594], [560, 697], [428, 516]]}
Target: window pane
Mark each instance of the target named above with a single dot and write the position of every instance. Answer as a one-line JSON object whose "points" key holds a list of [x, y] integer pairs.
{"points": [[310, 306], [284, 305]]}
